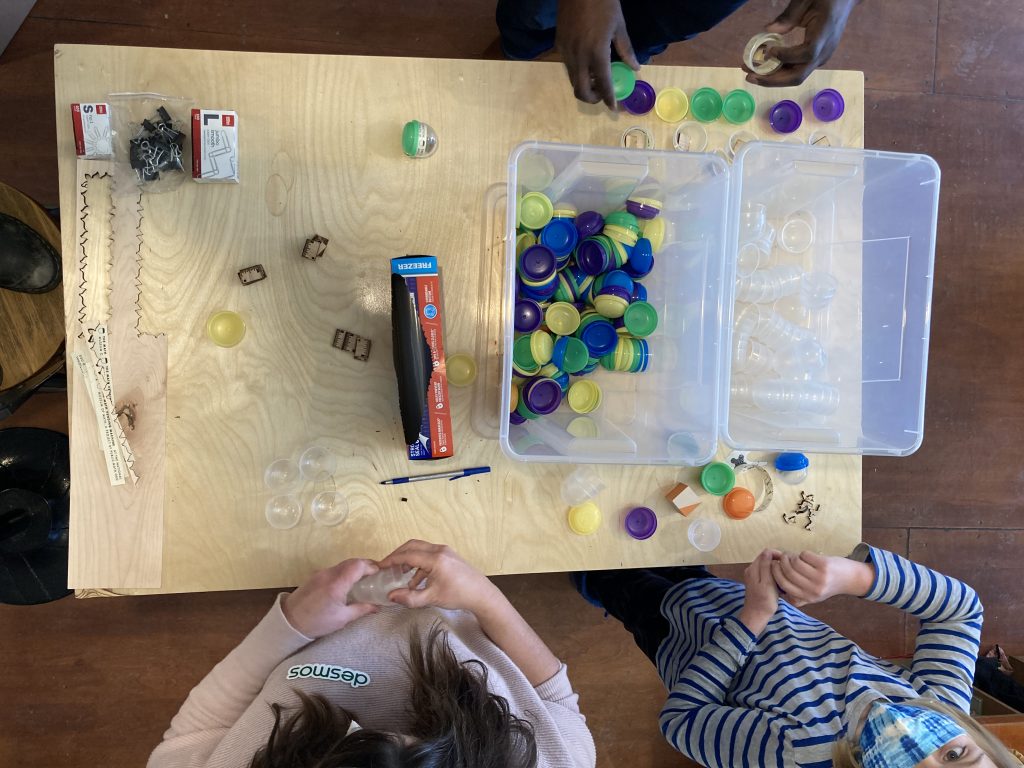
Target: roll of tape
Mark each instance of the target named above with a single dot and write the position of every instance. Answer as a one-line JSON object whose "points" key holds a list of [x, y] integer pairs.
{"points": [[754, 53]]}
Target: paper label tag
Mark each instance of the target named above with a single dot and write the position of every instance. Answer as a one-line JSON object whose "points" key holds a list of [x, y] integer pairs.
{"points": [[99, 343], [93, 363]]}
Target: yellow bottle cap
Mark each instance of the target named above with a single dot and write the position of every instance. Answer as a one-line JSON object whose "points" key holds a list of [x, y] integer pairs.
{"points": [[523, 241], [225, 328], [622, 234], [671, 105], [611, 306], [535, 210], [565, 210], [654, 230], [562, 318], [541, 347], [585, 518], [514, 399], [584, 396], [461, 369], [582, 427]]}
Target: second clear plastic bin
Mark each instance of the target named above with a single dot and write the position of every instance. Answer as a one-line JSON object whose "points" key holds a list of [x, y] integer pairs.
{"points": [[829, 332], [669, 413]]}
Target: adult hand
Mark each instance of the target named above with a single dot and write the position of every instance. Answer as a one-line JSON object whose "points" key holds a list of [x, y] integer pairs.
{"points": [[823, 22], [762, 595], [318, 607], [586, 31], [811, 578], [451, 582]]}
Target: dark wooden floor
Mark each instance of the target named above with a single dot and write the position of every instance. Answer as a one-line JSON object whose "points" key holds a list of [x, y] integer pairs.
{"points": [[95, 682]]}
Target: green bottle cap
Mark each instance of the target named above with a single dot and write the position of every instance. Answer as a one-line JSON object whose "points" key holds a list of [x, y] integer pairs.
{"points": [[411, 137], [706, 104], [576, 355], [738, 107], [623, 80], [522, 354], [718, 478], [640, 318]]}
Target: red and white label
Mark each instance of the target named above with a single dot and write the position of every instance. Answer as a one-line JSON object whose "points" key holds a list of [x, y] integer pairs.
{"points": [[214, 145], [91, 124]]}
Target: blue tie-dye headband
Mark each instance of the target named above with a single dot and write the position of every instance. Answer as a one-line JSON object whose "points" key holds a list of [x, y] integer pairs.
{"points": [[899, 736]]}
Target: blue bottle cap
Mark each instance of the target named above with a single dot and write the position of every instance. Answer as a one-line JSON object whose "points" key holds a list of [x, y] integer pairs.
{"points": [[560, 236], [641, 260], [791, 462], [600, 337], [639, 292], [619, 279]]}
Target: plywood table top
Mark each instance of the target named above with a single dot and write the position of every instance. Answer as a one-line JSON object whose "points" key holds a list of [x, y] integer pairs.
{"points": [[321, 153]]}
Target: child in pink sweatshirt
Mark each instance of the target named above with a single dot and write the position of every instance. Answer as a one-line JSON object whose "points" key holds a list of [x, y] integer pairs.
{"points": [[451, 675]]}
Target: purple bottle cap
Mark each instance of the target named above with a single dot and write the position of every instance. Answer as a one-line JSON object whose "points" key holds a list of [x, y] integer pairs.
{"points": [[786, 116], [591, 257], [515, 418], [828, 105], [600, 338], [538, 262], [543, 396], [641, 523], [528, 316], [641, 100], [615, 290], [589, 223]]}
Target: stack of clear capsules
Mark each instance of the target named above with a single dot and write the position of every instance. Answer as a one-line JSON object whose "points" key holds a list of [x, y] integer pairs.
{"points": [[779, 366]]}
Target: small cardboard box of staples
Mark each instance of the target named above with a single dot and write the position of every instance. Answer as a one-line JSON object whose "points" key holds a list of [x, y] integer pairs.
{"points": [[419, 320], [214, 145], [91, 123]]}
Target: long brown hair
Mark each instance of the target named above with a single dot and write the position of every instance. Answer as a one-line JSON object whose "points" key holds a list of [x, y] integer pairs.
{"points": [[456, 722], [846, 752]]}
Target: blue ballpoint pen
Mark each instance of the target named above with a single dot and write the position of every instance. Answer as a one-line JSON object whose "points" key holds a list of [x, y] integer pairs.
{"points": [[454, 475]]}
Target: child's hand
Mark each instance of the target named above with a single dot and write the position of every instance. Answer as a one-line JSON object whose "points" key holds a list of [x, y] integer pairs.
{"points": [[762, 597], [451, 582], [318, 607], [811, 578], [586, 31]]}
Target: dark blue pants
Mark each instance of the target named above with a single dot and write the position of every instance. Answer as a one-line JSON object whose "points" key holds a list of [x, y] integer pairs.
{"points": [[527, 27], [634, 595]]}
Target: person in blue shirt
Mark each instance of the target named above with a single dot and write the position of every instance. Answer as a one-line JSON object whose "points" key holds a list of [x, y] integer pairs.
{"points": [[754, 681], [586, 33]]}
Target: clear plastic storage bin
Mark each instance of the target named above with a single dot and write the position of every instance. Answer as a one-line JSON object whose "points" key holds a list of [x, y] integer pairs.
{"points": [[668, 413], [829, 334], [817, 343]]}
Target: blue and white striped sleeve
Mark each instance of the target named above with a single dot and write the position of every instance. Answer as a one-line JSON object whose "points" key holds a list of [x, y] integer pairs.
{"points": [[694, 719], [951, 616]]}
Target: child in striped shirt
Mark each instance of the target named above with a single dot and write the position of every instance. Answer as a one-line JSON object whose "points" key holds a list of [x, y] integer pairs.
{"points": [[753, 681]]}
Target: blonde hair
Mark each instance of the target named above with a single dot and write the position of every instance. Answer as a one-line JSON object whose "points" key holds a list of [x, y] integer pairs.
{"points": [[846, 752]]}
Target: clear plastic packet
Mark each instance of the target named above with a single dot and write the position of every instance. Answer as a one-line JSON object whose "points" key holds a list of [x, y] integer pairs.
{"points": [[151, 138]]}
